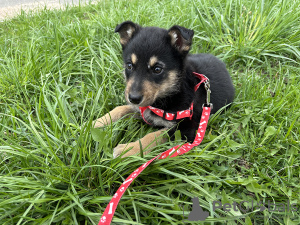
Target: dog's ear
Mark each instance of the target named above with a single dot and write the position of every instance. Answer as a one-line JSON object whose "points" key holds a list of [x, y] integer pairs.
{"points": [[126, 31], [181, 38]]}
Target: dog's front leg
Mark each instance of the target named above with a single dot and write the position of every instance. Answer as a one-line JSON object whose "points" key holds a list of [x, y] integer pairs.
{"points": [[149, 141], [114, 115]]}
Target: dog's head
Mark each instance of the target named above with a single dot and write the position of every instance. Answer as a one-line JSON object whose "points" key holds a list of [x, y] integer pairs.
{"points": [[153, 60]]}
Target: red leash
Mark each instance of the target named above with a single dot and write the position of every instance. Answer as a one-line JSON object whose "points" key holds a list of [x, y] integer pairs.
{"points": [[173, 152]]}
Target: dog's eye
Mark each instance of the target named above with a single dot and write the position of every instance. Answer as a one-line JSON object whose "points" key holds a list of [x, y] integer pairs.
{"points": [[129, 66], [157, 70]]}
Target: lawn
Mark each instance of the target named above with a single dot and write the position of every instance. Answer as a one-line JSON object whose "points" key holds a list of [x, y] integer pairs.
{"points": [[59, 69]]}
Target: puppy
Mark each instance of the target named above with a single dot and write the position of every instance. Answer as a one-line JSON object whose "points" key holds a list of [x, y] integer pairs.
{"points": [[159, 73]]}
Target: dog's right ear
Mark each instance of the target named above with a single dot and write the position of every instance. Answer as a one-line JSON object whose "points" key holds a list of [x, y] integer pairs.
{"points": [[181, 38], [126, 31]]}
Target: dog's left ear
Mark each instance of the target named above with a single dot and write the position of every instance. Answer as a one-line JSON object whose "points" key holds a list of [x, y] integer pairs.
{"points": [[181, 38], [126, 31]]}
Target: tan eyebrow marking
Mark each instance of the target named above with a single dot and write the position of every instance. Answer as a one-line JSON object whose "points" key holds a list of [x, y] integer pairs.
{"points": [[133, 58], [153, 60]]}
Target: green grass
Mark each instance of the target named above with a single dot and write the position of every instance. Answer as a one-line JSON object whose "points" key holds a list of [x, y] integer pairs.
{"points": [[59, 69]]}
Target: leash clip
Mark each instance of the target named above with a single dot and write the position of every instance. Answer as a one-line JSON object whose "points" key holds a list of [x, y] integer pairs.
{"points": [[208, 91]]}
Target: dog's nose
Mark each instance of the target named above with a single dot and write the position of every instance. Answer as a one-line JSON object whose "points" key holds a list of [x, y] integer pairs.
{"points": [[135, 98]]}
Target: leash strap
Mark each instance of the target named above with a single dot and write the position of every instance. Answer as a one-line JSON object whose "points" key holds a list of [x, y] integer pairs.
{"points": [[173, 152]]}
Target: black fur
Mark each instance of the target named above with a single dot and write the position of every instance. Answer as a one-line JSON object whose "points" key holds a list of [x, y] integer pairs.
{"points": [[171, 47]]}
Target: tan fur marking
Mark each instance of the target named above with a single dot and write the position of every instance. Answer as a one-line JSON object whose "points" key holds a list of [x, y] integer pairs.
{"points": [[133, 58], [153, 60], [123, 41], [114, 115], [149, 141], [152, 91], [127, 89], [186, 48], [149, 92], [169, 85]]}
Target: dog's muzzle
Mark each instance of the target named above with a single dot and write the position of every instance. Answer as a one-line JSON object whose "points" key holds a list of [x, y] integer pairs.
{"points": [[135, 98]]}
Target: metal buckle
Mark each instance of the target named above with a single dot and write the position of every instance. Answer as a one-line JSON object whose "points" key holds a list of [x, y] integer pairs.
{"points": [[208, 91], [210, 105]]}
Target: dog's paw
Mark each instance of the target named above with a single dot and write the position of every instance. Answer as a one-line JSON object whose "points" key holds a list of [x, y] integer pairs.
{"points": [[102, 121], [118, 150], [98, 123], [133, 148]]}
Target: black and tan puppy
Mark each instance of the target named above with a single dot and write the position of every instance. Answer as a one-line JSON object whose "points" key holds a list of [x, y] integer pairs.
{"points": [[159, 73]]}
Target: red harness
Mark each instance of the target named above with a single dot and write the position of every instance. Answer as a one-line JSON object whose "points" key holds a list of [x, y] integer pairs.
{"points": [[180, 114], [177, 150]]}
